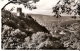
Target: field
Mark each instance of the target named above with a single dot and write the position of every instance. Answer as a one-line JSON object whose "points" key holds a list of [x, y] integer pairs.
{"points": [[50, 21]]}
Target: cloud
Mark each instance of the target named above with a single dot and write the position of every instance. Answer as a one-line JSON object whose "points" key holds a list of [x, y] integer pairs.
{"points": [[45, 7], [46, 4]]}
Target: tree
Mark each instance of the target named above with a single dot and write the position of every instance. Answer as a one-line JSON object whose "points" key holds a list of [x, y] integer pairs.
{"points": [[11, 38], [21, 1], [56, 10], [68, 7], [7, 4]]}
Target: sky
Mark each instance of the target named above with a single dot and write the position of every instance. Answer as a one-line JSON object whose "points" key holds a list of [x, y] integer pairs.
{"points": [[43, 7]]}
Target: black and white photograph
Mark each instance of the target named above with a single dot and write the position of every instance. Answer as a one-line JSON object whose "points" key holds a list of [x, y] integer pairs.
{"points": [[40, 24]]}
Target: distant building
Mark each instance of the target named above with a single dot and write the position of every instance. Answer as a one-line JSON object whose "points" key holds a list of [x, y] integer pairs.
{"points": [[19, 11]]}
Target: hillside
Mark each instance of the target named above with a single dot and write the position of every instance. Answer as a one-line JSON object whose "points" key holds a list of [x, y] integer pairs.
{"points": [[50, 21], [21, 31], [24, 23], [32, 32]]}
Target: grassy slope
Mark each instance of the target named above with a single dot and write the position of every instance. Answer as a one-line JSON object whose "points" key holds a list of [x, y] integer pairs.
{"points": [[50, 21]]}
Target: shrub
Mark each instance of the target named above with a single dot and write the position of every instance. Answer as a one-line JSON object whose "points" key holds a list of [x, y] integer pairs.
{"points": [[11, 38], [71, 41]]}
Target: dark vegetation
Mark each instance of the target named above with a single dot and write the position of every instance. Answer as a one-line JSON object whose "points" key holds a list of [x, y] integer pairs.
{"points": [[67, 7], [24, 33], [24, 2], [24, 23]]}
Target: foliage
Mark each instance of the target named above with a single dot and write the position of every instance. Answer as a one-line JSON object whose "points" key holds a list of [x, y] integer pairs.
{"points": [[20, 30], [23, 32], [68, 6], [25, 23], [41, 40], [24, 2], [11, 38], [72, 39]]}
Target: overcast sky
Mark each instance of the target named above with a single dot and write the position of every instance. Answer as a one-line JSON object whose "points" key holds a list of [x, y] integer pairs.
{"points": [[43, 7]]}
